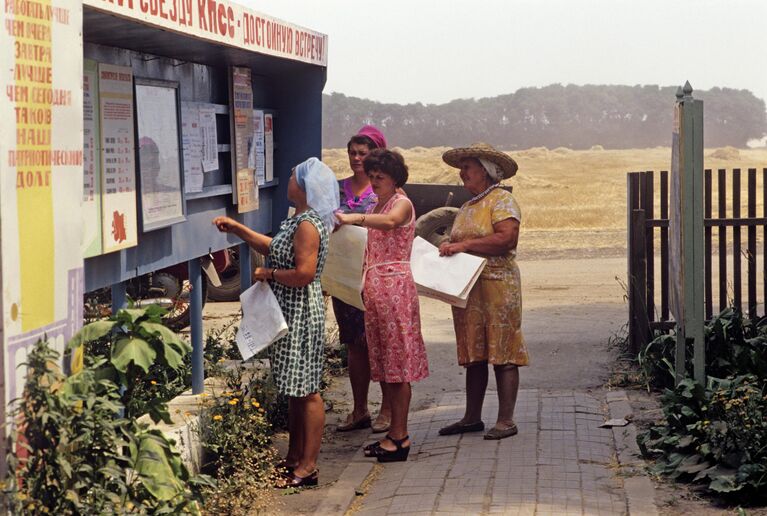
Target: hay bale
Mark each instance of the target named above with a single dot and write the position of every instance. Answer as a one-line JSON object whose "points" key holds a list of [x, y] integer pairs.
{"points": [[728, 153], [562, 150], [596, 148]]}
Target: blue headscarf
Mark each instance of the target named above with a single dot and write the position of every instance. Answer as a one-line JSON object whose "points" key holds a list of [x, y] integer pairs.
{"points": [[321, 187]]}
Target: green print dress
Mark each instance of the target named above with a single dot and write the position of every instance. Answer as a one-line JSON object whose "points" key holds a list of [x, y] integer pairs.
{"points": [[298, 356]]}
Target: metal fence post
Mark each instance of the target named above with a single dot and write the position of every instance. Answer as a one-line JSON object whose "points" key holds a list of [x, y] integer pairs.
{"points": [[198, 363]]}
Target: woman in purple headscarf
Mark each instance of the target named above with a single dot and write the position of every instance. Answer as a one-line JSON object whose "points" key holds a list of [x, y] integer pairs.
{"points": [[356, 196]]}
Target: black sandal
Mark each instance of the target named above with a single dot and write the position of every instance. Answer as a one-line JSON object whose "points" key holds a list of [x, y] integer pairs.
{"points": [[384, 455]]}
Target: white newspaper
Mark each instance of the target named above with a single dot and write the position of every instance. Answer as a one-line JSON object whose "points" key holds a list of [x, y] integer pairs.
{"points": [[262, 320], [342, 275], [446, 278]]}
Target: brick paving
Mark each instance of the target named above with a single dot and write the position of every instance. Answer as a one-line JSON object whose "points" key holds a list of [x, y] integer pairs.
{"points": [[560, 463]]}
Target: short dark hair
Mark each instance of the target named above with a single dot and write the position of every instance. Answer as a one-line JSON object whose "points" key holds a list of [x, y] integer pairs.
{"points": [[389, 162], [361, 139]]}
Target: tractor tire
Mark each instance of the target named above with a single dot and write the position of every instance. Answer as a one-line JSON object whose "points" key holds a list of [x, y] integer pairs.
{"points": [[230, 278], [435, 226]]}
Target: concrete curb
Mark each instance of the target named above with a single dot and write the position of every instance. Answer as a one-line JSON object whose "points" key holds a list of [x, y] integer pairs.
{"points": [[639, 489], [342, 493]]}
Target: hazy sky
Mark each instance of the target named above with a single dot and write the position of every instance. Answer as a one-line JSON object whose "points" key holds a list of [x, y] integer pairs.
{"points": [[434, 51]]}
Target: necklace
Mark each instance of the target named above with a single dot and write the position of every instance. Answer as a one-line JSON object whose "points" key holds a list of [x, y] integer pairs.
{"points": [[484, 194]]}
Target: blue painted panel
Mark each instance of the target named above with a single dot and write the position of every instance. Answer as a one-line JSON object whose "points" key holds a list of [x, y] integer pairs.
{"points": [[292, 89]]}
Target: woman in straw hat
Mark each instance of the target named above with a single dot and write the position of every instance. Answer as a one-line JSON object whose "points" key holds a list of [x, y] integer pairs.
{"points": [[488, 330], [356, 197]]}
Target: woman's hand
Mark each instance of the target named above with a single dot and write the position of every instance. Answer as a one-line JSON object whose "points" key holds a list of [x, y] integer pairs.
{"points": [[262, 274], [347, 218], [225, 224], [451, 248]]}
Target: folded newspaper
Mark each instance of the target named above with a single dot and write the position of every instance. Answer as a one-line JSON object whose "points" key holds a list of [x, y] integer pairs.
{"points": [[446, 278]]}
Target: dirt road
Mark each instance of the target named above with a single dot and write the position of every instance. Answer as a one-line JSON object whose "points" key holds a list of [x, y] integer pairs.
{"points": [[571, 308]]}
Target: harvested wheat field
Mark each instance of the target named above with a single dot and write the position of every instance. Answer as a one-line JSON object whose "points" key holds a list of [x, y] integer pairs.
{"points": [[573, 202]]}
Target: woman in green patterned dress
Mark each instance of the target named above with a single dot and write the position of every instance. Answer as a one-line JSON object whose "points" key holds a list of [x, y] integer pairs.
{"points": [[295, 258]]}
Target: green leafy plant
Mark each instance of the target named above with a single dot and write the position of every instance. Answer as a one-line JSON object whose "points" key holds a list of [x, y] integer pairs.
{"points": [[79, 456], [142, 355], [237, 438], [714, 435], [734, 346]]}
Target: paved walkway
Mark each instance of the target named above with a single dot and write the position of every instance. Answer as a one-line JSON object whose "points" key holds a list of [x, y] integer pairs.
{"points": [[559, 463]]}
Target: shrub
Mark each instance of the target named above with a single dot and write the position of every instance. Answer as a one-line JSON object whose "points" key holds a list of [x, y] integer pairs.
{"points": [[236, 435], [714, 435], [734, 346], [82, 457]]}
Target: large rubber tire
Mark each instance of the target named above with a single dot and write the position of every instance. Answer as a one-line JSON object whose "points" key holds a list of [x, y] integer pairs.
{"points": [[181, 317], [435, 226], [230, 278]]}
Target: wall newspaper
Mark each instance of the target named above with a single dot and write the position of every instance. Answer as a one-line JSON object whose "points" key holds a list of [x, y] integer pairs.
{"points": [[162, 201], [245, 186]]}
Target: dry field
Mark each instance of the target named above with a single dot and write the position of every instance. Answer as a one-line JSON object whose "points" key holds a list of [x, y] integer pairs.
{"points": [[573, 202]]}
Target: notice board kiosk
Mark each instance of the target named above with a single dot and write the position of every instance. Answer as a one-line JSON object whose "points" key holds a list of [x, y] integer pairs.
{"points": [[127, 126]]}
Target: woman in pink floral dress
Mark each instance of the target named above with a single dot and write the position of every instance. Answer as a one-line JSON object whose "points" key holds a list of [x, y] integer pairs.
{"points": [[396, 350]]}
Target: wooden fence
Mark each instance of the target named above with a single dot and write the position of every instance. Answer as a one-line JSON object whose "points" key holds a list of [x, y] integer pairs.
{"points": [[724, 252]]}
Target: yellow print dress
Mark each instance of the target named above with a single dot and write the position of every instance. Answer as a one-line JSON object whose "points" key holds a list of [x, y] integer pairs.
{"points": [[489, 328]]}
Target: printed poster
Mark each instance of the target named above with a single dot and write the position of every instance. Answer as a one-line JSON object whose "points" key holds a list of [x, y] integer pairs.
{"points": [[41, 183], [119, 227], [245, 185], [91, 240], [258, 146], [191, 142], [209, 138], [269, 147]]}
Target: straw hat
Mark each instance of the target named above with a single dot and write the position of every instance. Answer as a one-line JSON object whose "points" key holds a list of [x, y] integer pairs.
{"points": [[507, 166]]}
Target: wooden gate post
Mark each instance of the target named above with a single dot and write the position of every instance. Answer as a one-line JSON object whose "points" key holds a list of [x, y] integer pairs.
{"points": [[639, 322]]}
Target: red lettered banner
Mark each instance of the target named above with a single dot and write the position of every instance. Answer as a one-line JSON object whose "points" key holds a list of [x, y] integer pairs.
{"points": [[225, 22]]}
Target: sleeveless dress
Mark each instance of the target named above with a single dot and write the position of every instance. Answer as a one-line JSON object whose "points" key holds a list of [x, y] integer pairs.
{"points": [[396, 349], [351, 320], [297, 358]]}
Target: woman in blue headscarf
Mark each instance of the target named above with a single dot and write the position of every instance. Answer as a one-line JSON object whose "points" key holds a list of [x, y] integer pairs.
{"points": [[295, 258]]}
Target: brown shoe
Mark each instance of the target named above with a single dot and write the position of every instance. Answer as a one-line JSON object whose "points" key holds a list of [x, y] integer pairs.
{"points": [[501, 433], [291, 480], [381, 424], [351, 424]]}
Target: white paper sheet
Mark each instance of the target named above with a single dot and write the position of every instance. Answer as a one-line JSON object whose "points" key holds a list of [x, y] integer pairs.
{"points": [[258, 146], [191, 141], [342, 275], [269, 147], [209, 137], [446, 278], [262, 320]]}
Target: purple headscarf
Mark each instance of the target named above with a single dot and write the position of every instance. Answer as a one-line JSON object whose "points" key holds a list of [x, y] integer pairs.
{"points": [[374, 134]]}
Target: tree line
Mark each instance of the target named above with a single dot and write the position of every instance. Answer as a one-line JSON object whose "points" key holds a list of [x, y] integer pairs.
{"points": [[571, 116]]}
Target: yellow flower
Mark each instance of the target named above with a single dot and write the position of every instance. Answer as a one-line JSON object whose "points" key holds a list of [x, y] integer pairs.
{"points": [[233, 401], [218, 417], [21, 496], [204, 395], [255, 403], [153, 382], [222, 359]]}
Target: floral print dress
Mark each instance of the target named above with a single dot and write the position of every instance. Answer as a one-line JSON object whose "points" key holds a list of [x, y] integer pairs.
{"points": [[297, 358], [396, 350], [489, 329]]}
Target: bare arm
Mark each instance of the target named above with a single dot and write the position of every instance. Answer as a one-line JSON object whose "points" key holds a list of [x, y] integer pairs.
{"points": [[399, 215], [306, 244], [504, 239], [255, 240]]}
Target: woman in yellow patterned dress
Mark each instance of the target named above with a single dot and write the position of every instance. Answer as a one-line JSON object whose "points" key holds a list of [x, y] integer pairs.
{"points": [[488, 330]]}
